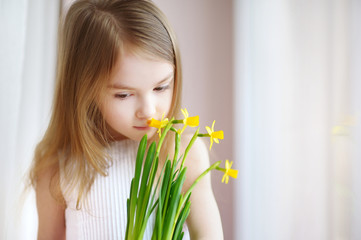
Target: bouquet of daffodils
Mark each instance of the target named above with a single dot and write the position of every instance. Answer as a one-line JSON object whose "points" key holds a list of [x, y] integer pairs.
{"points": [[163, 194]]}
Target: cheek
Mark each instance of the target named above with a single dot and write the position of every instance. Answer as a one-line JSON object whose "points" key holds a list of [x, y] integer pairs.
{"points": [[167, 103], [111, 111], [118, 113]]}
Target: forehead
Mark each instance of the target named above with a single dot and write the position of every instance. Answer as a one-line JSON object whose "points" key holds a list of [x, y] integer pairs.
{"points": [[137, 71]]}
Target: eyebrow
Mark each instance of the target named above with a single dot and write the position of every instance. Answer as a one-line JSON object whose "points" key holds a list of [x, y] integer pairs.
{"points": [[121, 86]]}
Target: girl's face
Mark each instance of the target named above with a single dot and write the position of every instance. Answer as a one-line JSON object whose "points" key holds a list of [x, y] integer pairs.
{"points": [[139, 89]]}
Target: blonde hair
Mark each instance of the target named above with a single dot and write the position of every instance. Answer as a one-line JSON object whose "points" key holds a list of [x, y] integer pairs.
{"points": [[92, 36]]}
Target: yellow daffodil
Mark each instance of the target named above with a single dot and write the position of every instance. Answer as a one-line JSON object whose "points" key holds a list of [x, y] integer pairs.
{"points": [[228, 172], [158, 124], [188, 121], [214, 136]]}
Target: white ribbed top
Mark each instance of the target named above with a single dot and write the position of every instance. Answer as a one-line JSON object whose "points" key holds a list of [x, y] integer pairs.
{"points": [[105, 214]]}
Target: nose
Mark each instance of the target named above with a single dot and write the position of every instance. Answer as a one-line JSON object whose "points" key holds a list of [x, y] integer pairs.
{"points": [[146, 108]]}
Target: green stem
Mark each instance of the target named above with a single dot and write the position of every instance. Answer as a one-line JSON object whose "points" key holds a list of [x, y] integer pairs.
{"points": [[213, 166], [164, 133], [173, 129], [189, 147], [203, 135], [185, 196], [221, 169], [176, 121]]}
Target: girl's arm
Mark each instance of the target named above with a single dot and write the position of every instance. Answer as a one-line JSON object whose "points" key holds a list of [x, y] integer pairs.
{"points": [[50, 212], [204, 221]]}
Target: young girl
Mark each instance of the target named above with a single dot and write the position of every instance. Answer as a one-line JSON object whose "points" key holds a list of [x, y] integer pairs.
{"points": [[118, 66]]}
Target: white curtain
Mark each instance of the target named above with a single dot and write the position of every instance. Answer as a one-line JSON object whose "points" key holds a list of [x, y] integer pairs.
{"points": [[27, 61], [297, 114]]}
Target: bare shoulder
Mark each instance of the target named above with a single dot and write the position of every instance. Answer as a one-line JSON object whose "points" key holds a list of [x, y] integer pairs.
{"points": [[204, 221], [50, 211]]}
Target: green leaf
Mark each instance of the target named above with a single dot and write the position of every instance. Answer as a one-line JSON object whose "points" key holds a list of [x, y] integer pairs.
{"points": [[143, 186], [145, 205], [173, 205], [134, 187], [166, 187], [181, 219], [128, 218]]}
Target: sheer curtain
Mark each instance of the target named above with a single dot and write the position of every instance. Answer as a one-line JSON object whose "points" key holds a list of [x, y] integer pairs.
{"points": [[297, 100], [27, 61]]}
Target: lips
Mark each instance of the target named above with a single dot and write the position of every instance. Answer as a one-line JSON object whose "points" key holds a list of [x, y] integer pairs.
{"points": [[144, 128]]}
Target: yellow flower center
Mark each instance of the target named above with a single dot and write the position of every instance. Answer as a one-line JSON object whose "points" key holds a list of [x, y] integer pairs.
{"points": [[192, 121], [218, 134], [232, 173]]}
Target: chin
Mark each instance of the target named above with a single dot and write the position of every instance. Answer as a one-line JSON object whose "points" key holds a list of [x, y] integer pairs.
{"points": [[150, 136], [139, 137]]}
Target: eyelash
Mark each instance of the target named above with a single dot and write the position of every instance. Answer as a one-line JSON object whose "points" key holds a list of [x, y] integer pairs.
{"points": [[123, 96], [161, 88]]}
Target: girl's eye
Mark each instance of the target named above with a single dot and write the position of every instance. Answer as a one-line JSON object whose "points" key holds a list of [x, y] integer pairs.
{"points": [[122, 95], [161, 88]]}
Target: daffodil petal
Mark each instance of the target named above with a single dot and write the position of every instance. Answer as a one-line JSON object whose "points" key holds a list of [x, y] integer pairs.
{"points": [[210, 147], [227, 164], [214, 121], [209, 131], [185, 113], [224, 177], [227, 179], [164, 123], [181, 131], [182, 111]]}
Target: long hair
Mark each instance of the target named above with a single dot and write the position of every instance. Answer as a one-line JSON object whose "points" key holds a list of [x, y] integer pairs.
{"points": [[92, 36]]}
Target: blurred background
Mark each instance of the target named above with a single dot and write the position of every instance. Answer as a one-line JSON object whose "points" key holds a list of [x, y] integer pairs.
{"points": [[282, 78]]}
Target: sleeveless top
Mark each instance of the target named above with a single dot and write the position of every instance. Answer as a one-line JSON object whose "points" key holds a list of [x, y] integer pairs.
{"points": [[104, 214]]}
